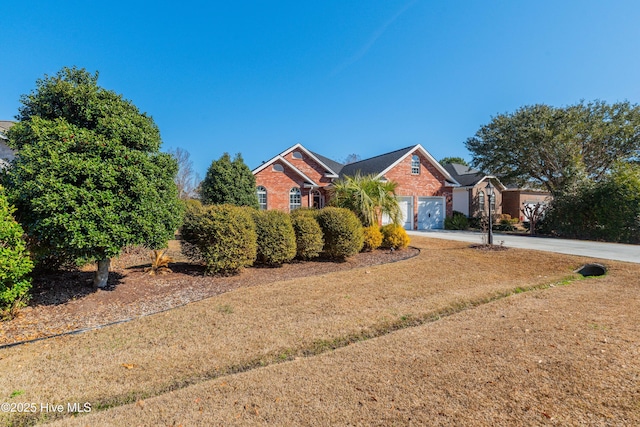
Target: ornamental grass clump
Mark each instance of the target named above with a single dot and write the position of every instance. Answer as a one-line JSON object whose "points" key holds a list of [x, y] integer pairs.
{"points": [[308, 233], [15, 263], [276, 238], [223, 237], [394, 237], [342, 232]]}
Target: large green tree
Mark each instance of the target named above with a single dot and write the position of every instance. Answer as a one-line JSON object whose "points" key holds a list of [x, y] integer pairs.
{"points": [[89, 178], [229, 182], [558, 147], [367, 197], [456, 160]]}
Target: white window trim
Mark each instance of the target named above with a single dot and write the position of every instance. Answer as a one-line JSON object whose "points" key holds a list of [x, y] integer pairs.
{"points": [[295, 192]]}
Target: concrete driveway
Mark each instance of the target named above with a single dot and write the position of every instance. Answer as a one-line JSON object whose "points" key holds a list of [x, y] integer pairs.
{"points": [[613, 251]]}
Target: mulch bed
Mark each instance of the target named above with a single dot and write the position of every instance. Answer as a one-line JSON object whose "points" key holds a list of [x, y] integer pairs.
{"points": [[67, 301]]}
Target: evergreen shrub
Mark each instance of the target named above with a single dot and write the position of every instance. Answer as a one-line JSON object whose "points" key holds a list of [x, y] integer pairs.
{"points": [[372, 238], [342, 232], [308, 233], [15, 263], [276, 237], [458, 221], [394, 237], [223, 237]]}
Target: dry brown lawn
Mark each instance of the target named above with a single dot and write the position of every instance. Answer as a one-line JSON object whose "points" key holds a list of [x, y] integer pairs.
{"points": [[561, 355]]}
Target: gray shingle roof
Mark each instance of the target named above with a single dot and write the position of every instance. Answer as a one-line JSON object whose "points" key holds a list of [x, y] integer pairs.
{"points": [[465, 175], [5, 125], [374, 165], [335, 166]]}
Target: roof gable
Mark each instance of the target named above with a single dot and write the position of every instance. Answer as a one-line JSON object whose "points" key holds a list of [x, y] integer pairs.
{"points": [[469, 177], [380, 165], [281, 159], [330, 172]]}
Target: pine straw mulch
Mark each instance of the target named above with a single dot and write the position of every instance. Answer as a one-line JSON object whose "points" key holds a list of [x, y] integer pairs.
{"points": [[67, 301]]}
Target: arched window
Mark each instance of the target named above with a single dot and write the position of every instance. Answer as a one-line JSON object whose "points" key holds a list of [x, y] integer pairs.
{"points": [[295, 199], [415, 165], [262, 197], [296, 155], [278, 167], [481, 200]]}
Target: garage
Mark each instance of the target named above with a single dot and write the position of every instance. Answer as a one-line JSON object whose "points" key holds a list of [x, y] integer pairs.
{"points": [[406, 209], [431, 213]]}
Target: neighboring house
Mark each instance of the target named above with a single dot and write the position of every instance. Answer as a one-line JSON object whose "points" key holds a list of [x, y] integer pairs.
{"points": [[514, 199], [298, 178], [6, 153], [471, 198]]}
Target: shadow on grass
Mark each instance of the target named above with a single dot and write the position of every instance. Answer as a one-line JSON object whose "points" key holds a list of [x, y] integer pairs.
{"points": [[59, 287]]}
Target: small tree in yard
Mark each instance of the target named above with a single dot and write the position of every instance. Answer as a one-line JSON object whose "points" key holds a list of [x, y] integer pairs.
{"points": [[89, 178], [186, 179], [367, 197], [229, 182], [535, 212]]}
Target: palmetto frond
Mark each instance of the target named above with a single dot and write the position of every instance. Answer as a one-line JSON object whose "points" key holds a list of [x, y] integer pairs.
{"points": [[159, 262], [368, 197]]}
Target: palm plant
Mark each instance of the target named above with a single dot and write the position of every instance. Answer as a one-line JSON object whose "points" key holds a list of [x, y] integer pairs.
{"points": [[368, 197]]}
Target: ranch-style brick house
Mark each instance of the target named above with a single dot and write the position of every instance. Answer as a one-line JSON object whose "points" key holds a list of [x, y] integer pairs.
{"points": [[298, 177]]}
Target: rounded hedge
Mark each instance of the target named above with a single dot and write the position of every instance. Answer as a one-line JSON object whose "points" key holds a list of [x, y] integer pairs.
{"points": [[394, 236], [372, 238], [15, 263], [276, 238], [457, 221], [221, 236], [342, 232], [309, 242]]}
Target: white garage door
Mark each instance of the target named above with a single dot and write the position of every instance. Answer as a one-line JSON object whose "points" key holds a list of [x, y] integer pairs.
{"points": [[430, 213], [406, 208]]}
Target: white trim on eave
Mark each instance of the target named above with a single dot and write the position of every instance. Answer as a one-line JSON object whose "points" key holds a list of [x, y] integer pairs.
{"points": [[430, 158], [333, 173], [283, 160], [491, 177]]}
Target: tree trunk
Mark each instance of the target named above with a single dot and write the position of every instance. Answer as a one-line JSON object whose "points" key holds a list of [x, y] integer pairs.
{"points": [[101, 276]]}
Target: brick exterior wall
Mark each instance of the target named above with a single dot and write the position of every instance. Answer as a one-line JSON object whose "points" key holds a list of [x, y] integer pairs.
{"points": [[429, 182], [309, 167], [475, 209], [279, 184], [512, 201]]}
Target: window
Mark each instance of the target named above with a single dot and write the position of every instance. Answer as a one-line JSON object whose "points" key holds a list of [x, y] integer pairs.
{"points": [[278, 168], [415, 165], [318, 200], [481, 200], [297, 155], [262, 197], [295, 199]]}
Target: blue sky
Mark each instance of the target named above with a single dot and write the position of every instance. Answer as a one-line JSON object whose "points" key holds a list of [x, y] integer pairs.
{"points": [[340, 77]]}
